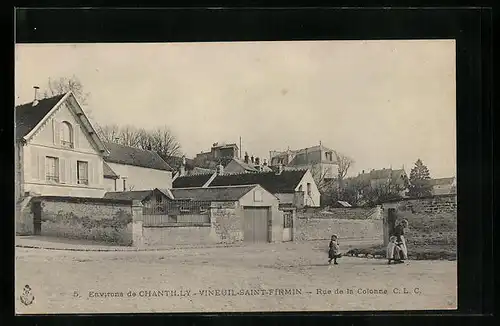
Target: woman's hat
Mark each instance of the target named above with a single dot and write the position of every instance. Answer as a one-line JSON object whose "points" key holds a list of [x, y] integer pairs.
{"points": [[334, 235]]}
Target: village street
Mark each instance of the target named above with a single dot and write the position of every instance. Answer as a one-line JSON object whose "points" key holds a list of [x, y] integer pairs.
{"points": [[295, 277]]}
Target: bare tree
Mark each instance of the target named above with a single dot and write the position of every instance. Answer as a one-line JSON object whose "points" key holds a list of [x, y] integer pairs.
{"points": [[63, 85], [343, 163], [160, 140], [321, 178], [109, 133], [130, 136], [164, 142]]}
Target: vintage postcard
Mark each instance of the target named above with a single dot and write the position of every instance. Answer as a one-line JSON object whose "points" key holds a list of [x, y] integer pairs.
{"points": [[235, 177]]}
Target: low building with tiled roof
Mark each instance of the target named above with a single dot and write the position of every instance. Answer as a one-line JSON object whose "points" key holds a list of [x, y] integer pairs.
{"points": [[212, 194], [294, 186], [138, 169], [191, 181]]}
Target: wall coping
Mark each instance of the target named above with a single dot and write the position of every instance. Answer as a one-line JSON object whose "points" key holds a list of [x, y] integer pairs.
{"points": [[177, 225], [418, 198], [81, 200]]}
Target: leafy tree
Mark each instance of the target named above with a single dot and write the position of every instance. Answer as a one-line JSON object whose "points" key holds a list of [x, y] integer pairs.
{"points": [[419, 181]]}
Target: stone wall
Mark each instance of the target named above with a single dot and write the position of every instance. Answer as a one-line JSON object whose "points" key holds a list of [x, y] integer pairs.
{"points": [[178, 235], [97, 219], [225, 227], [340, 213], [433, 217], [346, 229], [227, 222], [434, 205], [24, 216]]}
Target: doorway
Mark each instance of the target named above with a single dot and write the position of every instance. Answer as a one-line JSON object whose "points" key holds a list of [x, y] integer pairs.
{"points": [[37, 217], [391, 220]]}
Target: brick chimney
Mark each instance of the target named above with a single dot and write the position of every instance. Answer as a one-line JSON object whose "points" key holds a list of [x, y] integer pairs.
{"points": [[280, 169], [252, 159], [182, 168], [35, 100], [220, 169], [246, 157], [264, 163], [257, 161]]}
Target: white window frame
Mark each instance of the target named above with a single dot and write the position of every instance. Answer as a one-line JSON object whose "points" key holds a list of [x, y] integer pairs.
{"points": [[67, 143], [55, 178], [79, 179]]}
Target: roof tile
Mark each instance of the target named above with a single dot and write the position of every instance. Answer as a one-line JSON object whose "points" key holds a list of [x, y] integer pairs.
{"points": [[28, 116], [122, 154], [212, 193], [286, 182]]}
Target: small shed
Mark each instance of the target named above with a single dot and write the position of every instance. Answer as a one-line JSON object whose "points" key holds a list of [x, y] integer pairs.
{"points": [[246, 213], [150, 199]]}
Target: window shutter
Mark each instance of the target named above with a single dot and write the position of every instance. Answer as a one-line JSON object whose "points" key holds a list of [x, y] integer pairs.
{"points": [[62, 170], [35, 171], [56, 131], [41, 167], [76, 136], [91, 173], [72, 171], [94, 172]]}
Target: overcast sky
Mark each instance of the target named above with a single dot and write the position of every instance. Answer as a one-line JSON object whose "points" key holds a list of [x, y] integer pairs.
{"points": [[384, 103]]}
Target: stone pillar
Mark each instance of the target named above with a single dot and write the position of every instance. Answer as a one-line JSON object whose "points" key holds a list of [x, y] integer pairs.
{"points": [[294, 219], [385, 216], [212, 217], [137, 237], [275, 224]]}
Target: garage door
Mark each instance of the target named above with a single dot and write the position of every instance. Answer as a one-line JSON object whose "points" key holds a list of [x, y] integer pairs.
{"points": [[255, 224]]}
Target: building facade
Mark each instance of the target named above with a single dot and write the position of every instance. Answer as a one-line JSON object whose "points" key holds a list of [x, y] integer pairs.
{"points": [[57, 150], [59, 153], [295, 187], [219, 153], [320, 160]]}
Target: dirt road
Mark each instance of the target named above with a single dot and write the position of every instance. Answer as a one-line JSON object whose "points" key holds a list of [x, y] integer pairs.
{"points": [[270, 277]]}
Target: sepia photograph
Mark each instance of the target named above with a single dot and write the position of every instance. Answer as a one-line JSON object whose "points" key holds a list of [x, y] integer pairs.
{"points": [[211, 177]]}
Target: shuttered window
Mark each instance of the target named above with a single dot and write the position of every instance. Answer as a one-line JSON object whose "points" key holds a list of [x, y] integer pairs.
{"points": [[51, 169], [82, 172], [66, 135]]}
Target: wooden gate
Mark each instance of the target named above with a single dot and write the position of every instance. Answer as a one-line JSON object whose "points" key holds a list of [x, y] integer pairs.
{"points": [[37, 217], [255, 225], [287, 225]]}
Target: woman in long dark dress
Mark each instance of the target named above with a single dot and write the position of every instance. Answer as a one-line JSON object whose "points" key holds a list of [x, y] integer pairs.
{"points": [[399, 232]]}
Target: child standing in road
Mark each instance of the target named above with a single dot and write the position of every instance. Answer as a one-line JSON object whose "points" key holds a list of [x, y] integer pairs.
{"points": [[333, 251]]}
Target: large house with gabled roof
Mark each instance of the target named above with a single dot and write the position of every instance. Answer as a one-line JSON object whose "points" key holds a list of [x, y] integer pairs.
{"points": [[59, 153]]}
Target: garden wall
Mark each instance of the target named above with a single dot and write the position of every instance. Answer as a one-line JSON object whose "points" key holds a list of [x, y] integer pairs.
{"points": [[432, 205], [346, 229], [98, 219]]}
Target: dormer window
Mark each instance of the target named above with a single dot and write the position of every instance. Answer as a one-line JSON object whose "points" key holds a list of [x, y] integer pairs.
{"points": [[67, 135]]}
